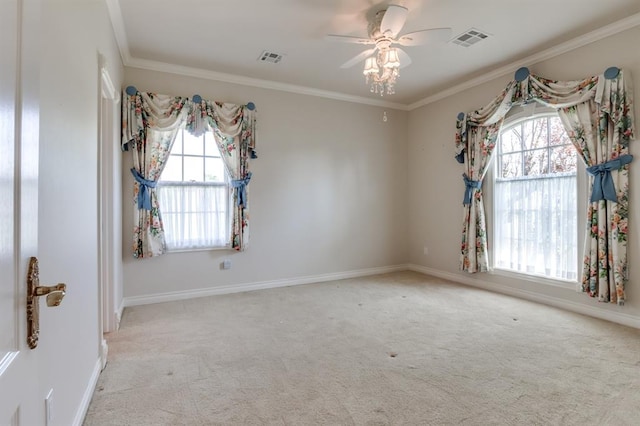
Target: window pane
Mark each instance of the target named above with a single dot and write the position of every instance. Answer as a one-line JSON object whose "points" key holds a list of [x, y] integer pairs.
{"points": [[193, 145], [173, 169], [535, 218], [195, 215], [177, 144], [510, 165], [511, 140], [193, 169], [563, 159], [557, 136], [535, 133], [214, 170], [536, 162], [210, 146]]}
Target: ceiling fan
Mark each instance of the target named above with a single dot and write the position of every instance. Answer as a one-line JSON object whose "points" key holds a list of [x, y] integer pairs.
{"points": [[384, 31], [384, 59]]}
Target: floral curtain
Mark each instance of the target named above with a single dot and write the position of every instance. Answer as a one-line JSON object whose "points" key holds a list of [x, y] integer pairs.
{"points": [[481, 141], [149, 125], [601, 129], [476, 135], [597, 113]]}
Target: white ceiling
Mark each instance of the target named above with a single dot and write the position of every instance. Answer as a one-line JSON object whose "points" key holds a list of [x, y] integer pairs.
{"points": [[223, 39]]}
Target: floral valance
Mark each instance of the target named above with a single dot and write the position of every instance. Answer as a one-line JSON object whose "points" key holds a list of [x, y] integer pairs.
{"points": [[613, 96], [163, 112]]}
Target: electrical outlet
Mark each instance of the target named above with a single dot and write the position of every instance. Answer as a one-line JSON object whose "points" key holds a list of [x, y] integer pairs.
{"points": [[48, 408], [226, 264], [426, 250]]}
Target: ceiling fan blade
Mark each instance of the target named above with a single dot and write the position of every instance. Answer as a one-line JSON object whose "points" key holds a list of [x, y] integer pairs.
{"points": [[358, 58], [425, 36], [393, 20], [405, 60], [348, 39]]}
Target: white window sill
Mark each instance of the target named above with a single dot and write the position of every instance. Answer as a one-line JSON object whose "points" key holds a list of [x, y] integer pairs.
{"points": [[538, 279], [189, 250]]}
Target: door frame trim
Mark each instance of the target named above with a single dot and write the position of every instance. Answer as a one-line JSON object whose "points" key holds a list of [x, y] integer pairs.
{"points": [[107, 262]]}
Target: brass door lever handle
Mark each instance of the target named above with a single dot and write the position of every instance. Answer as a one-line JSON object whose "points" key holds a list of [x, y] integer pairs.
{"points": [[54, 293]]}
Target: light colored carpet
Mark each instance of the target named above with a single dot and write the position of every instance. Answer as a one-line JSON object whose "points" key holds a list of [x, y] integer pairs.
{"points": [[393, 349]]}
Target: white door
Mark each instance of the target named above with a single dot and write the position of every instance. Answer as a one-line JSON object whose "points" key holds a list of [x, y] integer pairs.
{"points": [[19, 401]]}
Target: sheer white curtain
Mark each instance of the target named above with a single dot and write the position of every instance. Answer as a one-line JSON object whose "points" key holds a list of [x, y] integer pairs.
{"points": [[194, 216], [527, 208]]}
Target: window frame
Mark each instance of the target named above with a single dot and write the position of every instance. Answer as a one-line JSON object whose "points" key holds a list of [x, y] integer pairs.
{"points": [[548, 148], [225, 183], [519, 114]]}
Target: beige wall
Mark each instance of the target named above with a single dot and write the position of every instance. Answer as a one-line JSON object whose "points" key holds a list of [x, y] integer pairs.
{"points": [[435, 183], [74, 33], [328, 193]]}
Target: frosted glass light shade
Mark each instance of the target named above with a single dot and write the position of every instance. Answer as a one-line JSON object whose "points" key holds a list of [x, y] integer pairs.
{"points": [[370, 66], [391, 59]]}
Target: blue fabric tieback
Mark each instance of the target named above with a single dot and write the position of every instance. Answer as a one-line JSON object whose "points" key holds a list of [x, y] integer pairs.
{"points": [[603, 188], [241, 184], [470, 185], [144, 192]]}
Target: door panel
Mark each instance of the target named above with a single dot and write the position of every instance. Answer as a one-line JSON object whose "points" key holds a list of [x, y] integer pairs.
{"points": [[8, 52], [19, 119]]}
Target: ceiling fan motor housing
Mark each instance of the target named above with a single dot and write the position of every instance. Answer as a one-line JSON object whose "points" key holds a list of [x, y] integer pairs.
{"points": [[374, 25]]}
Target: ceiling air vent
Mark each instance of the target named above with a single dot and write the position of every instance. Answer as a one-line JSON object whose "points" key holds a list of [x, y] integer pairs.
{"points": [[470, 37], [266, 56]]}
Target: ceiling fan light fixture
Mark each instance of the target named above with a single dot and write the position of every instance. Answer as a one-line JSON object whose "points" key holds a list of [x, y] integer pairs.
{"points": [[381, 71]]}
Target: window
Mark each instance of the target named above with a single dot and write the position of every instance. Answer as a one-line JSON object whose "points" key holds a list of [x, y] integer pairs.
{"points": [[535, 199], [193, 192]]}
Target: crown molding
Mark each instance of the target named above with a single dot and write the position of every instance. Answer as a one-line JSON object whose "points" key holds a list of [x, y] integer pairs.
{"points": [[115, 14], [255, 82], [580, 41]]}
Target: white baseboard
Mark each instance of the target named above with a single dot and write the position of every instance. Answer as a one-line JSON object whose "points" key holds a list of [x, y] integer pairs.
{"points": [[104, 354], [617, 317], [119, 315], [238, 288], [88, 394]]}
